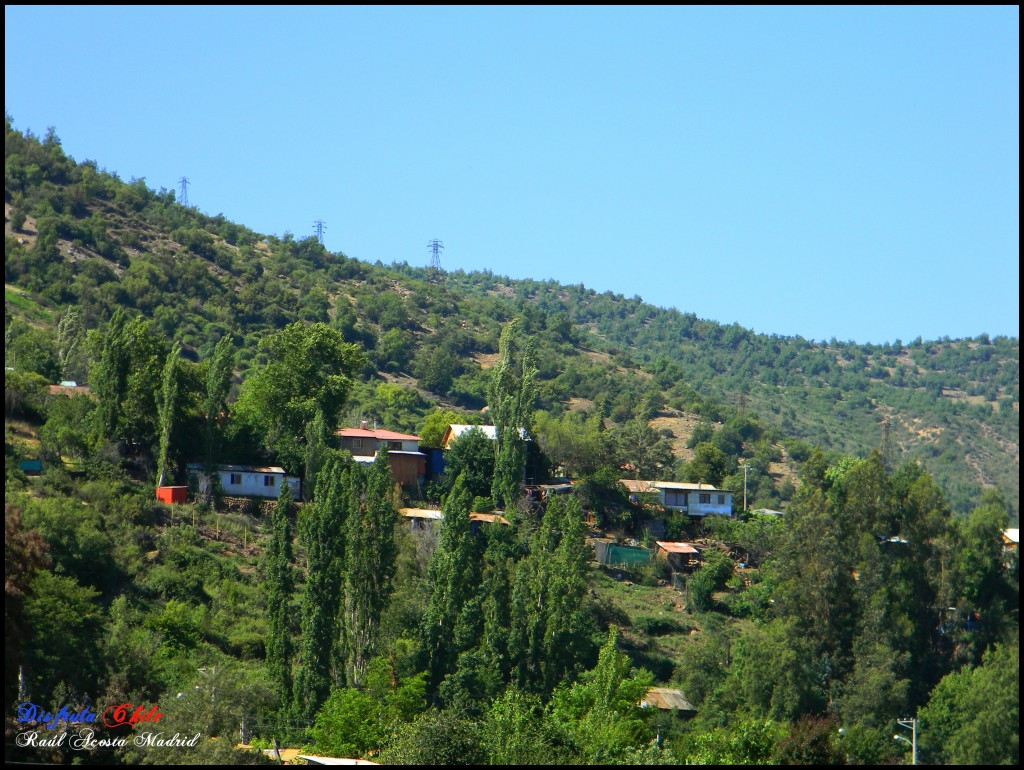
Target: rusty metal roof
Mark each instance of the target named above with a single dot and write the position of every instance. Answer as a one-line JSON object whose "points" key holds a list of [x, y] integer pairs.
{"points": [[666, 698]]}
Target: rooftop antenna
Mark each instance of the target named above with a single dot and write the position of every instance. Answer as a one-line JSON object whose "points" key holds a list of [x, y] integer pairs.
{"points": [[183, 197], [436, 247], [320, 227]]}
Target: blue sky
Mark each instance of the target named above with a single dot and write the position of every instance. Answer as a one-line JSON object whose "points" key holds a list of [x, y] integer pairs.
{"points": [[826, 172]]}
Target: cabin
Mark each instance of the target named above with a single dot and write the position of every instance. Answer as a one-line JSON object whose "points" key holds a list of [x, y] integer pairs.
{"points": [[696, 500], [246, 480], [408, 464], [680, 556]]}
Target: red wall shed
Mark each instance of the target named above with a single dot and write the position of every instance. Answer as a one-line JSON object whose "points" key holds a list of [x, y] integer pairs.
{"points": [[172, 494]]}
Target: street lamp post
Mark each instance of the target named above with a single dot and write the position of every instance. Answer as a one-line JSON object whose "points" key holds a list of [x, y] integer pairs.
{"points": [[911, 724]]}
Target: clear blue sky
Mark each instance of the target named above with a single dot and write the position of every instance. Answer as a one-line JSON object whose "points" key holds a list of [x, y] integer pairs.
{"points": [[846, 172]]}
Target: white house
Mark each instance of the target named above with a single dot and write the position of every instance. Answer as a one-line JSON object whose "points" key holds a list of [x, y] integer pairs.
{"points": [[692, 499], [247, 480]]}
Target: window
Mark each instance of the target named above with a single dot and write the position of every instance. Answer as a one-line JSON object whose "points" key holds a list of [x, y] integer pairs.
{"points": [[705, 498], [357, 443], [395, 445], [269, 481], [236, 479], [675, 498], [721, 499]]}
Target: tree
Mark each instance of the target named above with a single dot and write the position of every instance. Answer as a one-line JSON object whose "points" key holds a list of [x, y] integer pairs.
{"points": [[511, 394], [973, 716], [647, 451], [217, 381], [575, 441], [434, 426], [471, 456], [126, 380], [70, 333], [322, 529], [370, 555], [453, 576], [307, 370], [709, 465], [280, 586], [25, 553], [549, 624], [600, 715], [166, 408]]}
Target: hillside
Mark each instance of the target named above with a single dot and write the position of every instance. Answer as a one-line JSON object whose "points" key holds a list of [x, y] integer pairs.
{"points": [[338, 624], [78, 236]]}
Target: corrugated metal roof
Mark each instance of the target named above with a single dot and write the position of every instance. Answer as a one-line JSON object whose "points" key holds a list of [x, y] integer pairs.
{"points": [[666, 698], [677, 547], [491, 518], [420, 513], [427, 513], [636, 485], [384, 435], [239, 468]]}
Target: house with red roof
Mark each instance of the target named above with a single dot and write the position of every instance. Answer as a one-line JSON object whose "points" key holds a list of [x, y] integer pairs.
{"points": [[408, 463]]}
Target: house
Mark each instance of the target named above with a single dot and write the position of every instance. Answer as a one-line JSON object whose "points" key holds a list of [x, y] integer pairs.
{"points": [[246, 480], [680, 556], [408, 463], [691, 499]]}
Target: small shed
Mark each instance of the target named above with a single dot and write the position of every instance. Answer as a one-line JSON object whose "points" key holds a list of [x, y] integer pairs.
{"points": [[172, 495], [31, 467], [680, 556]]}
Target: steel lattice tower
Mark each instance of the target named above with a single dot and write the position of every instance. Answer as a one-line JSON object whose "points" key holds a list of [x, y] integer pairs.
{"points": [[320, 227], [183, 197], [436, 247]]}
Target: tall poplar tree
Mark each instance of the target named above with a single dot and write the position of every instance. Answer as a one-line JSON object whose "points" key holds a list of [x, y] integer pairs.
{"points": [[217, 382], [167, 407], [453, 576], [322, 530], [548, 624], [280, 587], [511, 395], [370, 555]]}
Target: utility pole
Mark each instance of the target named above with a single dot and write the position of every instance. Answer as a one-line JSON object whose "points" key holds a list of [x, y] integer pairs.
{"points": [[745, 469], [911, 724], [320, 227], [183, 195]]}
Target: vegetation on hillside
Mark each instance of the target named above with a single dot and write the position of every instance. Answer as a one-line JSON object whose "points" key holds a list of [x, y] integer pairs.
{"points": [[329, 623]]}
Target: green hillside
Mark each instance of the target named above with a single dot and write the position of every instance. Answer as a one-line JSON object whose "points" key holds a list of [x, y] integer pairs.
{"points": [[335, 626], [79, 237]]}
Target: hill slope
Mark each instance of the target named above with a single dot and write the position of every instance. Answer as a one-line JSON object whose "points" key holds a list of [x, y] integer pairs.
{"points": [[78, 236]]}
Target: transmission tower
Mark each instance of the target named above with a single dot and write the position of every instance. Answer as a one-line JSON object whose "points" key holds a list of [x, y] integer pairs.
{"points": [[183, 197], [320, 227], [436, 247]]}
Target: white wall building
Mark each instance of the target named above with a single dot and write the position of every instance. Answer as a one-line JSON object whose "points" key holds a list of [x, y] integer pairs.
{"points": [[692, 499], [247, 480]]}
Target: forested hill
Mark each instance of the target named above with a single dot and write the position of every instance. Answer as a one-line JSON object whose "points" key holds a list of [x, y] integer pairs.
{"points": [[81, 238]]}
